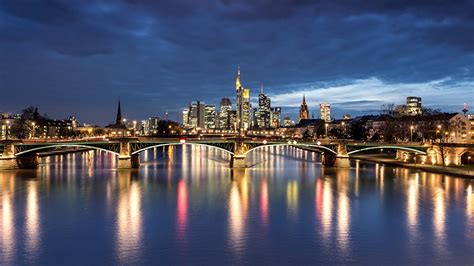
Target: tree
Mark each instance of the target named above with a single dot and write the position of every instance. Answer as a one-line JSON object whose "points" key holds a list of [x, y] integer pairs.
{"points": [[23, 126]]}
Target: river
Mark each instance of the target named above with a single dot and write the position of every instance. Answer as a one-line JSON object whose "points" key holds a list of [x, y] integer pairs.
{"points": [[185, 206]]}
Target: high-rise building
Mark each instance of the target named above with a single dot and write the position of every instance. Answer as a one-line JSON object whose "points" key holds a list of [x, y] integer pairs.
{"points": [[197, 115], [232, 119], [226, 106], [304, 112], [325, 110], [287, 121], [243, 106], [413, 106], [275, 117], [186, 118], [246, 109], [210, 116], [264, 113]]}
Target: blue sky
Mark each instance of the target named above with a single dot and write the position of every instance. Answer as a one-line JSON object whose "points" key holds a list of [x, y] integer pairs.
{"points": [[78, 57]]}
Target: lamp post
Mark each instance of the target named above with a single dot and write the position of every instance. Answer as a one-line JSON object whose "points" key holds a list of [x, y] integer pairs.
{"points": [[33, 125], [327, 125], [411, 133], [134, 127], [124, 127], [7, 129], [344, 125]]}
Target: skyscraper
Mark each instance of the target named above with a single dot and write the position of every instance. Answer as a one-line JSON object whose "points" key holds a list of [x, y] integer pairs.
{"points": [[226, 106], [264, 114], [210, 116], [243, 106], [304, 109], [196, 115], [186, 118], [325, 110]]}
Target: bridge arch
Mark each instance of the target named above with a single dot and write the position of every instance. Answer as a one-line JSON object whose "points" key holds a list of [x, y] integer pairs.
{"points": [[180, 144], [65, 145], [388, 147], [294, 145]]}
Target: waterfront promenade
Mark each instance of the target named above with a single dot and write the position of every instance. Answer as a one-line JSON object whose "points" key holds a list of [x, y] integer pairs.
{"points": [[467, 172]]}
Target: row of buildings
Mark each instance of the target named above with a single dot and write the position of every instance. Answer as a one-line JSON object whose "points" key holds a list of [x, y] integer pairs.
{"points": [[206, 116]]}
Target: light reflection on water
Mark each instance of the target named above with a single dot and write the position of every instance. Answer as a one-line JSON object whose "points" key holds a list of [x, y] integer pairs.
{"points": [[184, 205]]}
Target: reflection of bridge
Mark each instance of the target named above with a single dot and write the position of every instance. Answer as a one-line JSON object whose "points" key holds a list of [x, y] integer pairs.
{"points": [[335, 153]]}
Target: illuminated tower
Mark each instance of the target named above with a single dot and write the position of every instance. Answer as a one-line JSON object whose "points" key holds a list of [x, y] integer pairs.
{"points": [[304, 109], [239, 90]]}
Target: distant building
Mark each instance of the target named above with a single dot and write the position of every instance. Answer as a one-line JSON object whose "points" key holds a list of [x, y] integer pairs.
{"points": [[325, 110], [210, 116], [264, 112], [186, 118], [287, 122], [304, 111], [225, 108], [232, 119], [275, 117], [413, 106], [196, 115]]}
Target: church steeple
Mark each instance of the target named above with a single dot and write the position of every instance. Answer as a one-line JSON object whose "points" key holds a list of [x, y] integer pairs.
{"points": [[304, 111], [118, 120]]}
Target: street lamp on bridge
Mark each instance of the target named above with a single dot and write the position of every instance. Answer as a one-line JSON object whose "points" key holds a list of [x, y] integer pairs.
{"points": [[411, 133]]}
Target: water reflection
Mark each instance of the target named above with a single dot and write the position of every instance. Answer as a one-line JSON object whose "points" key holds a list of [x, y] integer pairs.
{"points": [[412, 206], [343, 212], [32, 221], [207, 214], [238, 205], [439, 218], [264, 203], [182, 212], [7, 233], [292, 198], [129, 217]]}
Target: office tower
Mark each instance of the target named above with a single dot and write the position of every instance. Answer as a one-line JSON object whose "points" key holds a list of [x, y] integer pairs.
{"points": [[325, 110], [210, 116], [413, 106], [226, 106]]}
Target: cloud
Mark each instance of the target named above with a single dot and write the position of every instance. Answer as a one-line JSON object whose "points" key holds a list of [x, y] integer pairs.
{"points": [[352, 54]]}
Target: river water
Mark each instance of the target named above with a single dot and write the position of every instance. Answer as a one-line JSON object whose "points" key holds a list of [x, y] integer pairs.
{"points": [[185, 206]]}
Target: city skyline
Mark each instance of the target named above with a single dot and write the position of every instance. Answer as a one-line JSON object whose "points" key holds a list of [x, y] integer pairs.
{"points": [[82, 57]]}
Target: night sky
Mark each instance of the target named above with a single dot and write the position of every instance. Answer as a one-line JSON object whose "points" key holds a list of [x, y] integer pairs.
{"points": [[78, 57]]}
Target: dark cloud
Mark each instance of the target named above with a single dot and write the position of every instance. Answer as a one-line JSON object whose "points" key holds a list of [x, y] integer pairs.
{"points": [[74, 56]]}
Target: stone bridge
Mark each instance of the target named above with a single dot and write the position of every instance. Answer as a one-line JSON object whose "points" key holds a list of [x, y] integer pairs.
{"points": [[18, 154]]}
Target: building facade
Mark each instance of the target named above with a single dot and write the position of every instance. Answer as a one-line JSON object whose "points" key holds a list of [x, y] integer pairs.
{"points": [[413, 106], [225, 108], [325, 111]]}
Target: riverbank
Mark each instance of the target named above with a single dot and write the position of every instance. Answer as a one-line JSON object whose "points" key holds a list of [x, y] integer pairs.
{"points": [[456, 171]]}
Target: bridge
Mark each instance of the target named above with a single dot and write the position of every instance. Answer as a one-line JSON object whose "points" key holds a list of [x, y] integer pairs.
{"points": [[336, 153]]}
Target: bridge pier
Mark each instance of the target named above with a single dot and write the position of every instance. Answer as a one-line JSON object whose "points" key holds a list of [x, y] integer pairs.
{"points": [[8, 163], [342, 162], [237, 161], [128, 161], [8, 160], [28, 161]]}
